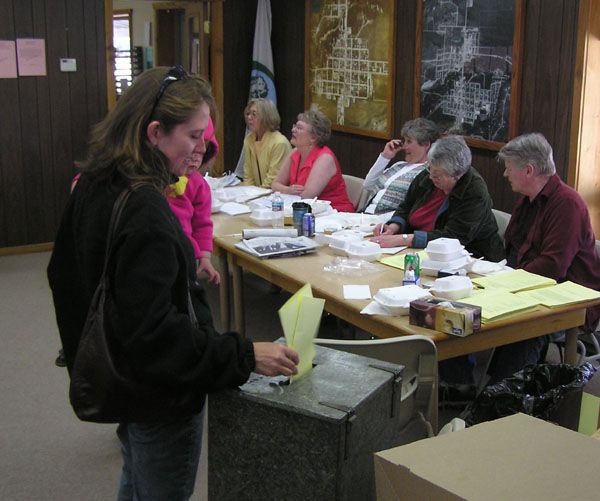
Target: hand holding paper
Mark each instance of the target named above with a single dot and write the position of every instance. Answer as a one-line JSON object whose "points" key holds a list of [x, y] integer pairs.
{"points": [[300, 318], [273, 359]]}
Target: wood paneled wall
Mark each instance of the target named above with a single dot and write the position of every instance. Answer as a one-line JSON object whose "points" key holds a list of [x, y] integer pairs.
{"points": [[46, 120], [549, 48]]}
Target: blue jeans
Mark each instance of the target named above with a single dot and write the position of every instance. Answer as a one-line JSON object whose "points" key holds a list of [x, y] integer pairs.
{"points": [[160, 460]]}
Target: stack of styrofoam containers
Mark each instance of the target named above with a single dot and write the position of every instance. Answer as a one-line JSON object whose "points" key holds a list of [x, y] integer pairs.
{"points": [[444, 254]]}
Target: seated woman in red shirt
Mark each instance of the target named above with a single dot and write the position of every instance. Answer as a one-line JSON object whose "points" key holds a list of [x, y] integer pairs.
{"points": [[311, 169]]}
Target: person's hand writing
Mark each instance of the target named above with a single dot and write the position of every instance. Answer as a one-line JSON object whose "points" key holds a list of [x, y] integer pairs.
{"points": [[274, 359], [385, 229], [391, 241]]}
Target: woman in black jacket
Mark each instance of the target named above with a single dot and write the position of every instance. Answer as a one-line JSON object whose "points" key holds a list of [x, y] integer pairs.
{"points": [[155, 125]]}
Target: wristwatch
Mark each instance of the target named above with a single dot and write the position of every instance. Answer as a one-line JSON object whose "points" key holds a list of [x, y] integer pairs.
{"points": [[404, 237]]}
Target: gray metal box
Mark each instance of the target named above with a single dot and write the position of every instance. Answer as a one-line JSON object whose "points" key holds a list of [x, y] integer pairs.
{"points": [[313, 439]]}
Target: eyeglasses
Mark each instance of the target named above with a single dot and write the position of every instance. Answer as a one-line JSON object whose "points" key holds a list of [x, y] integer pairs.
{"points": [[174, 74]]}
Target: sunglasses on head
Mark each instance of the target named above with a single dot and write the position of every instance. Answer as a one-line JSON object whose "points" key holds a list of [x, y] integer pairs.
{"points": [[175, 74]]}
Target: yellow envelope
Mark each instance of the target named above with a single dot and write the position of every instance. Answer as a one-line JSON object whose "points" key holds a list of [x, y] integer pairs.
{"points": [[300, 318]]}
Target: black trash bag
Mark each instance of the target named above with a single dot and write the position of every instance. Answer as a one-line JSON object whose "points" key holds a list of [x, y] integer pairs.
{"points": [[537, 390]]}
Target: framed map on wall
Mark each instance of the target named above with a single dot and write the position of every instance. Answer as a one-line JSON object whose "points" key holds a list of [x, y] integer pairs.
{"points": [[469, 75], [349, 63]]}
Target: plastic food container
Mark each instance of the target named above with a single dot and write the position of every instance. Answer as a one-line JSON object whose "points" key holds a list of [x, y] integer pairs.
{"points": [[453, 288], [445, 265], [215, 206], [262, 217], [369, 251], [340, 240], [397, 299], [318, 206], [444, 249]]}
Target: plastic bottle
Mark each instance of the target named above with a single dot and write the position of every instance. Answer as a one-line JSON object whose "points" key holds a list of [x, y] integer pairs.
{"points": [[277, 209]]}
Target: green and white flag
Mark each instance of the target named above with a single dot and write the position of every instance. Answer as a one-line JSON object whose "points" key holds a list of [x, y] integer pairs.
{"points": [[262, 82]]}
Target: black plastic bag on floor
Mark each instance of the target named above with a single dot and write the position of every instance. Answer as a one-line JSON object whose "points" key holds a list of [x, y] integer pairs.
{"points": [[537, 390]]}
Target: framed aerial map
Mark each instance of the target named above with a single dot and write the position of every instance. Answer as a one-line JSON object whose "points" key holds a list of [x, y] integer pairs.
{"points": [[469, 75], [349, 63]]}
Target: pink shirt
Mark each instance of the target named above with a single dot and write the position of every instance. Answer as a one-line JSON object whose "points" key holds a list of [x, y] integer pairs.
{"points": [[334, 191], [193, 210]]}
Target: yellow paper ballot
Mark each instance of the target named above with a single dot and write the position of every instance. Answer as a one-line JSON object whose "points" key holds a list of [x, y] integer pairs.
{"points": [[561, 294], [514, 281], [300, 318]]}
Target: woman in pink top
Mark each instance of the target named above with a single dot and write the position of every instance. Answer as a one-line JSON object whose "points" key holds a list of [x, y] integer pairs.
{"points": [[311, 169], [190, 200]]}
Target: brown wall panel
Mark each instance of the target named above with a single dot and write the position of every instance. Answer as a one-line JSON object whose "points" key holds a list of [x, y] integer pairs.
{"points": [[238, 37], [50, 116]]}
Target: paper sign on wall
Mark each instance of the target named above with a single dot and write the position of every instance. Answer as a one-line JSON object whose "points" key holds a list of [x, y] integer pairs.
{"points": [[31, 57], [8, 59]]}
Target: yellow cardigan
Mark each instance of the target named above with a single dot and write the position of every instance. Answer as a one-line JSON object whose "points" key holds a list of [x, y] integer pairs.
{"points": [[262, 169]]}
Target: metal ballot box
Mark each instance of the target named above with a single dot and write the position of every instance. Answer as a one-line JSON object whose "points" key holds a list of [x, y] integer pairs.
{"points": [[313, 439]]}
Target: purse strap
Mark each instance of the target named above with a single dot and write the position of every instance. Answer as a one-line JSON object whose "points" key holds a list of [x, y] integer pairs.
{"points": [[115, 217]]}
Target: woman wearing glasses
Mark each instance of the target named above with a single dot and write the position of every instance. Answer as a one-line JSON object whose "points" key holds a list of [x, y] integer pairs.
{"points": [[265, 147], [147, 138], [311, 169], [449, 199]]}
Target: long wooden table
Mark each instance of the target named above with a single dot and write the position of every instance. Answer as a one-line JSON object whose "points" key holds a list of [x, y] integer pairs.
{"points": [[292, 273]]}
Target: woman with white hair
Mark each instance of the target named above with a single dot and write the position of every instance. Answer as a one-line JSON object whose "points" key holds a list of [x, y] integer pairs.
{"points": [[449, 199]]}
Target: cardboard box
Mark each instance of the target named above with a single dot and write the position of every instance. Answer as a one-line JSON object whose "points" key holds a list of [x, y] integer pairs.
{"points": [[459, 320], [516, 457]]}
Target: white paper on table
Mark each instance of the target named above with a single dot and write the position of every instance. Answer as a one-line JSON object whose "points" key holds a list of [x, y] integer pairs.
{"points": [[393, 250], [357, 292], [374, 308], [233, 209]]}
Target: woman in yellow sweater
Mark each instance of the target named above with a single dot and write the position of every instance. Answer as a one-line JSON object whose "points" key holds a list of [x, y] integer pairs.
{"points": [[265, 147]]}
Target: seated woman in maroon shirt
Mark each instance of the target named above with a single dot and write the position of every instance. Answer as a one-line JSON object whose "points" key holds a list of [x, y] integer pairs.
{"points": [[311, 169]]}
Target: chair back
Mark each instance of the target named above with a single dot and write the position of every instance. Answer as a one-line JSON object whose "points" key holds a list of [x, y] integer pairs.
{"points": [[418, 355], [502, 219], [353, 188]]}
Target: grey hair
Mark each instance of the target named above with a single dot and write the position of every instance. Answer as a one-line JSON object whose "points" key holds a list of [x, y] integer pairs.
{"points": [[320, 125], [452, 154], [422, 130], [532, 149]]}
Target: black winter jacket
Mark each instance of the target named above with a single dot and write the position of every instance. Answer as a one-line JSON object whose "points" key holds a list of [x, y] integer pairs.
{"points": [[149, 272]]}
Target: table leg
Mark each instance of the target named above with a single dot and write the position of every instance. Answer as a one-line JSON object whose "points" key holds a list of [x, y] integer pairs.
{"points": [[238, 298], [224, 292], [571, 346]]}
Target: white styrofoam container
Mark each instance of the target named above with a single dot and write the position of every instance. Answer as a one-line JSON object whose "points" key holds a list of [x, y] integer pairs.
{"points": [[369, 251], [397, 299], [340, 240], [454, 287]]}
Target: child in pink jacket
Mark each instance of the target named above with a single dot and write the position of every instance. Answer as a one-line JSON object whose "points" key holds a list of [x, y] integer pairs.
{"points": [[190, 200]]}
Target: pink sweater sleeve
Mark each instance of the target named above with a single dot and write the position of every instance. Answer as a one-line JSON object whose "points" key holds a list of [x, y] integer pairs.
{"points": [[202, 225]]}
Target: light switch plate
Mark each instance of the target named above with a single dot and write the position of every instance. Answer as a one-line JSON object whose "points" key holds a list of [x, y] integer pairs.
{"points": [[67, 64]]}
